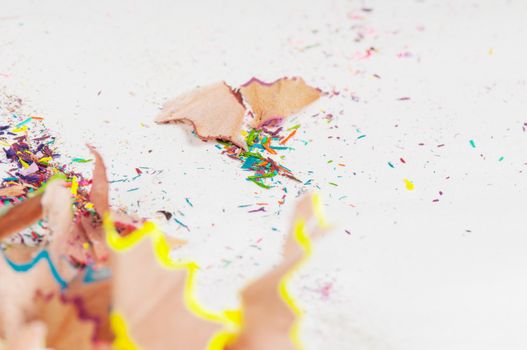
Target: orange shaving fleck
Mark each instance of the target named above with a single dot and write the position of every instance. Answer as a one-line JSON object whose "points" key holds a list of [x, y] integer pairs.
{"points": [[268, 148], [283, 142]]}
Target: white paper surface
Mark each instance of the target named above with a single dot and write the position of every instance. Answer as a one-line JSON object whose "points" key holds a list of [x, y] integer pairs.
{"points": [[412, 273]]}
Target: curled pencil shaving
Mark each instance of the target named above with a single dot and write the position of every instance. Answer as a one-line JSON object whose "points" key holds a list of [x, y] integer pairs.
{"points": [[161, 300], [270, 315], [215, 112], [277, 100]]}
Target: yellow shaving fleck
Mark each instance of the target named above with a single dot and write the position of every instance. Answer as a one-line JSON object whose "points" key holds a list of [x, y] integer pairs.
{"points": [[24, 164], [45, 160], [24, 128], [409, 184], [74, 185]]}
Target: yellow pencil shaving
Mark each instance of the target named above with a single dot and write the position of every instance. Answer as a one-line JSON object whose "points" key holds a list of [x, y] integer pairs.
{"points": [[162, 252], [305, 243]]}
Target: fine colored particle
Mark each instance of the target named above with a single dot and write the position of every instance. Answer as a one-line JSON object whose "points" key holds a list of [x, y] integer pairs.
{"points": [[409, 185]]}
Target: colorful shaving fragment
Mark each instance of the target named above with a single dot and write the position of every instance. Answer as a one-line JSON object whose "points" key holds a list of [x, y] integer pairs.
{"points": [[21, 124], [81, 160], [284, 141], [181, 224]]}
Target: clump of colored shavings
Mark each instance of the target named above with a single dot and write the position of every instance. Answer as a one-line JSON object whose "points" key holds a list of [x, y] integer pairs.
{"points": [[263, 143], [31, 160]]}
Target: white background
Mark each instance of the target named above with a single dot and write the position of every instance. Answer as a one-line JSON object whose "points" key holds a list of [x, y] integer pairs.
{"points": [[413, 273]]}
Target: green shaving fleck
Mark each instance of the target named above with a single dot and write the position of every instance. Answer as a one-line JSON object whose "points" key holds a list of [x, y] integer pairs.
{"points": [[80, 160], [259, 183], [294, 127], [252, 136]]}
